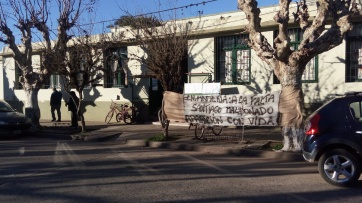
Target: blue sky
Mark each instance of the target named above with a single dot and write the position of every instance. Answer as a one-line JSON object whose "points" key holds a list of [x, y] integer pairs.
{"points": [[113, 9], [106, 11]]}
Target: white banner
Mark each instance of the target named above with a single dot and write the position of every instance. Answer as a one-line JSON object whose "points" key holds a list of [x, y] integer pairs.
{"points": [[232, 110], [202, 88]]}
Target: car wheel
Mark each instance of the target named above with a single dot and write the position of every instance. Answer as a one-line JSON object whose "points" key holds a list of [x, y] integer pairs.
{"points": [[339, 167]]}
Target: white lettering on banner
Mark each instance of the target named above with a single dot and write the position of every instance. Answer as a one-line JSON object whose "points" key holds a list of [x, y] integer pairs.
{"points": [[232, 110]]}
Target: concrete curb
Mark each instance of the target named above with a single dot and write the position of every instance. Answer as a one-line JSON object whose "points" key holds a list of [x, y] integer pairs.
{"points": [[219, 150], [257, 148], [104, 134]]}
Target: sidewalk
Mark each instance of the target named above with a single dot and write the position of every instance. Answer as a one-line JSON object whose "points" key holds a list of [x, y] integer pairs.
{"points": [[250, 141]]}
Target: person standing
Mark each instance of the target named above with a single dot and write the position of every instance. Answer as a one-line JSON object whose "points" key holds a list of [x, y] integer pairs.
{"points": [[55, 104], [72, 103]]}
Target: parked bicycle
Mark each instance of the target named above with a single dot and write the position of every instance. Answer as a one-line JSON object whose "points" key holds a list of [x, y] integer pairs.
{"points": [[200, 130], [123, 112]]}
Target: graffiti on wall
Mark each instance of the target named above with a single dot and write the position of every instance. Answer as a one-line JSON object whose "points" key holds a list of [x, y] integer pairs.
{"points": [[232, 110]]}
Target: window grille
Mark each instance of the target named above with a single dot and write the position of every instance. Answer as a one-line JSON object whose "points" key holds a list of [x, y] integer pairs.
{"points": [[354, 54], [233, 61], [36, 63], [18, 74], [310, 74], [116, 67]]}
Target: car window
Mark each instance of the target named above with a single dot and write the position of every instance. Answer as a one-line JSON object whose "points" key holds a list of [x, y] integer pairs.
{"points": [[355, 110]]}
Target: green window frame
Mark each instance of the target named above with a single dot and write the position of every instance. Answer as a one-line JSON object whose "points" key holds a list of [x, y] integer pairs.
{"points": [[18, 73], [55, 81], [36, 66], [310, 74], [80, 75], [232, 59], [354, 54], [116, 71]]}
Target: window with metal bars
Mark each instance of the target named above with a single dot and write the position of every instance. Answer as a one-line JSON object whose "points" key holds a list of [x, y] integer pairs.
{"points": [[116, 67], [18, 73], [91, 73], [354, 54], [310, 74], [233, 61], [53, 81]]}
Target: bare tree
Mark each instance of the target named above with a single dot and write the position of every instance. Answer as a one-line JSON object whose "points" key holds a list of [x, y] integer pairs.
{"points": [[287, 64], [165, 46], [31, 17], [84, 64]]}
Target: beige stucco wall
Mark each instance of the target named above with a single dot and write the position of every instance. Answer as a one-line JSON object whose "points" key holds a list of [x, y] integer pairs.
{"points": [[201, 59], [97, 99], [331, 65], [2, 78], [331, 71]]}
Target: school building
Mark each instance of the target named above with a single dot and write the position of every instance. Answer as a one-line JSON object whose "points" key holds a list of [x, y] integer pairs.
{"points": [[217, 52]]}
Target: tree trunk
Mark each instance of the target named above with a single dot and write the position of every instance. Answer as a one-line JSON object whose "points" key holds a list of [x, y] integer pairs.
{"points": [[32, 107], [80, 111], [290, 107], [82, 122]]}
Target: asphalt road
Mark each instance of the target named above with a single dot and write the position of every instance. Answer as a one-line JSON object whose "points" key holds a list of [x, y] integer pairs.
{"points": [[48, 170]]}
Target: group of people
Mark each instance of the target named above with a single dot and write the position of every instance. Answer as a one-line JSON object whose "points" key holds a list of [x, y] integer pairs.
{"points": [[56, 102]]}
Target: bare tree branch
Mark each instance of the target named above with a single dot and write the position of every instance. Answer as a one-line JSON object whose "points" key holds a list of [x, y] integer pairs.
{"points": [[262, 47], [301, 15], [31, 16], [315, 41], [282, 41], [165, 45], [291, 63]]}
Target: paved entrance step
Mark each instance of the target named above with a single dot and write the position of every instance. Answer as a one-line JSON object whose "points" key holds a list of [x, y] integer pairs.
{"points": [[103, 134]]}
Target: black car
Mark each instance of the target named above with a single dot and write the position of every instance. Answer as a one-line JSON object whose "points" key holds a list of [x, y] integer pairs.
{"points": [[333, 138], [11, 121]]}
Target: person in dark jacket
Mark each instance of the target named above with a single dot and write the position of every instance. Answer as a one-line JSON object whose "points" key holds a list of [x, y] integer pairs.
{"points": [[72, 103], [55, 104]]}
